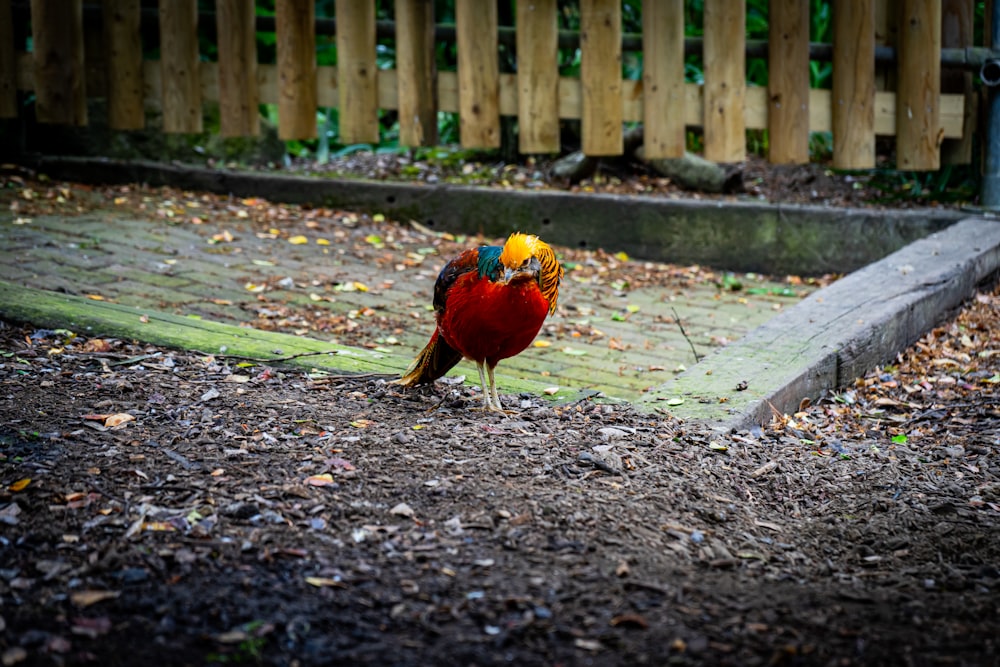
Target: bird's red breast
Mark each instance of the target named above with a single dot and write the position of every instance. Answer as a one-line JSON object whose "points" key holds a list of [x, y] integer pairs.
{"points": [[490, 321]]}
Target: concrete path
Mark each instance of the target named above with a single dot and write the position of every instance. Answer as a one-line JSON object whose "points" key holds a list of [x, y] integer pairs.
{"points": [[611, 334]]}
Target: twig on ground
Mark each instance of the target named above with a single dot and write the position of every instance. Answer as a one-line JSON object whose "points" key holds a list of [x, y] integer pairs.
{"points": [[677, 318]]}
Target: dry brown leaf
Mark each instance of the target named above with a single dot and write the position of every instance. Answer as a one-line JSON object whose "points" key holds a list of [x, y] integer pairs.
{"points": [[87, 598]]}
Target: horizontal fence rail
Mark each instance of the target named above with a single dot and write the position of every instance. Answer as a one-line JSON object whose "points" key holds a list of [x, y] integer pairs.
{"points": [[886, 56]]}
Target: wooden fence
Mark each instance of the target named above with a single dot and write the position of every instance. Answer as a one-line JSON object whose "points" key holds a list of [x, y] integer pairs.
{"points": [[68, 64]]}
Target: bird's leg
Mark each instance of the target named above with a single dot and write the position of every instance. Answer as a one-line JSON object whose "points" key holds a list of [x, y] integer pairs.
{"points": [[487, 400], [493, 390]]}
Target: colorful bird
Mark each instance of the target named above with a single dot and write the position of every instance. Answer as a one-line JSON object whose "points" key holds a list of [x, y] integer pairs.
{"points": [[490, 303]]}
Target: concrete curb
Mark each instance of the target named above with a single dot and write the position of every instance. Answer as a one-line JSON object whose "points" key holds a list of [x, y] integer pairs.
{"points": [[838, 333], [735, 235]]}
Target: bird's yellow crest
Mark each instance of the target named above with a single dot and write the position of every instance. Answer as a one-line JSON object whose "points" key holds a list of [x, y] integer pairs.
{"points": [[518, 248], [521, 247]]}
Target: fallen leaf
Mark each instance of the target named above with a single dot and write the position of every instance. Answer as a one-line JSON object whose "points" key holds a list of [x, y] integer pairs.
{"points": [[91, 627], [19, 485], [630, 620], [118, 419], [320, 480], [96, 345], [320, 582], [298, 240], [402, 509], [87, 598]]}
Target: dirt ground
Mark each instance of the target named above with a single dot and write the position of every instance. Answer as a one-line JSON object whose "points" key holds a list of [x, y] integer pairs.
{"points": [[163, 507], [166, 507]]}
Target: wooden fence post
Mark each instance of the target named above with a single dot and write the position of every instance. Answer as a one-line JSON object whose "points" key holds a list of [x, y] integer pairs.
{"points": [[180, 71], [538, 76], [664, 133], [601, 76], [295, 26], [124, 57], [918, 117], [357, 72], [8, 64], [788, 82], [238, 94], [478, 73], [57, 32], [853, 95], [957, 32], [725, 80], [416, 73]]}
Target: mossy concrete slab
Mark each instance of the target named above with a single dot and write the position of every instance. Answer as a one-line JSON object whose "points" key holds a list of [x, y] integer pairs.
{"points": [[97, 318], [736, 235], [837, 333]]}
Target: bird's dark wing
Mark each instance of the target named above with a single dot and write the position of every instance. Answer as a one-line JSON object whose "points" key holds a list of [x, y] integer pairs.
{"points": [[483, 259]]}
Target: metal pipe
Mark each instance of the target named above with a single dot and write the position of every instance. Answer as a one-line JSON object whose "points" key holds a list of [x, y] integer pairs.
{"points": [[990, 198]]}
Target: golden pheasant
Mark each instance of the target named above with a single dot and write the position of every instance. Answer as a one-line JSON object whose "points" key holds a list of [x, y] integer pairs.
{"points": [[490, 303]]}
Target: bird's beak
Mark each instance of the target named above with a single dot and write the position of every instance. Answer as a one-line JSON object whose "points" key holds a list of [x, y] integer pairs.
{"points": [[529, 271]]}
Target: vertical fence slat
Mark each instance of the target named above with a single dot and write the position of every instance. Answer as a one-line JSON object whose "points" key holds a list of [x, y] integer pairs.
{"points": [[295, 22], [725, 80], [957, 32], [417, 73], [238, 92], [179, 68], [538, 76], [853, 97], [8, 63], [124, 58], [57, 33], [788, 81], [663, 78], [918, 125], [601, 76], [478, 73], [357, 72]]}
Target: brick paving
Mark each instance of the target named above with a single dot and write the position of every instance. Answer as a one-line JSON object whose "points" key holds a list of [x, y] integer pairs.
{"points": [[152, 263]]}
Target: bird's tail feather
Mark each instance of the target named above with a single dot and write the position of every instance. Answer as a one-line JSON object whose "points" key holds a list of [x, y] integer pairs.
{"points": [[436, 359]]}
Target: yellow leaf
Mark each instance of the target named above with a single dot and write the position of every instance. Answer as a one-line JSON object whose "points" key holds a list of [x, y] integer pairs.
{"points": [[542, 343], [250, 287], [320, 582], [378, 217], [361, 287], [95, 297], [19, 485], [417, 427], [621, 256], [320, 480], [158, 526], [322, 242], [298, 240]]}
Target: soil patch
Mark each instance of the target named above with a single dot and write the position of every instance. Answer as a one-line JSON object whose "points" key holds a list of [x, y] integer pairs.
{"points": [[173, 508]]}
